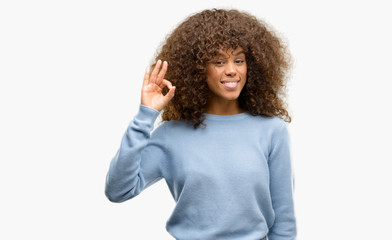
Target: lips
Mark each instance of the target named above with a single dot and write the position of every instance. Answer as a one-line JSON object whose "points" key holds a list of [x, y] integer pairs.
{"points": [[230, 84]]}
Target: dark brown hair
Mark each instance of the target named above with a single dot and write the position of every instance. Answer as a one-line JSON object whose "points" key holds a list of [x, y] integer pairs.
{"points": [[198, 39]]}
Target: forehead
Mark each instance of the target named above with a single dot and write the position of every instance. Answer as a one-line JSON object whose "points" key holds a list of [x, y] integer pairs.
{"points": [[231, 51]]}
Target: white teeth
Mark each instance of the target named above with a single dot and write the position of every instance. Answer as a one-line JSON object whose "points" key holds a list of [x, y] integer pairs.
{"points": [[230, 84]]}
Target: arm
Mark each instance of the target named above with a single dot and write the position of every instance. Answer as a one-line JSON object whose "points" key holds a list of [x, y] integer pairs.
{"points": [[137, 162], [281, 187], [128, 175]]}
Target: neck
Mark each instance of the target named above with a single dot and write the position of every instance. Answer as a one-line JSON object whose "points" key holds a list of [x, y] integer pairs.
{"points": [[223, 107]]}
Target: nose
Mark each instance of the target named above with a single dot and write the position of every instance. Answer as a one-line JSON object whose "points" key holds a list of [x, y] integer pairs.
{"points": [[230, 69]]}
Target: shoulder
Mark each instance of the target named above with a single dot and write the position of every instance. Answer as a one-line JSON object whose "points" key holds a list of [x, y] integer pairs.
{"points": [[272, 123], [279, 130], [274, 129], [172, 126]]}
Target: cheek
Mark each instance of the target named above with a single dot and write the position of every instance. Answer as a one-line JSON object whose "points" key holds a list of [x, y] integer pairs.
{"points": [[211, 74], [244, 72]]}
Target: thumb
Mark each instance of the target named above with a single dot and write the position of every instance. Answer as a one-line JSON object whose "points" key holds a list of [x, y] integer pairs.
{"points": [[170, 94]]}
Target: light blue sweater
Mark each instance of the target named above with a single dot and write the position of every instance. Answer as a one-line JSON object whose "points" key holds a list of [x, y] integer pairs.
{"points": [[231, 180]]}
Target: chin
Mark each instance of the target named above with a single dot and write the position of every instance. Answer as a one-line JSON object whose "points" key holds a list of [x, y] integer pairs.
{"points": [[231, 97]]}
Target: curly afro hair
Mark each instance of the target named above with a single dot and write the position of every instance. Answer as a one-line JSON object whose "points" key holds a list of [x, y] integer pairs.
{"points": [[198, 39]]}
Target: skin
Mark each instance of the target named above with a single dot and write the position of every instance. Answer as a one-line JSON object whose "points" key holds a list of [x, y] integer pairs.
{"points": [[225, 76], [153, 85]]}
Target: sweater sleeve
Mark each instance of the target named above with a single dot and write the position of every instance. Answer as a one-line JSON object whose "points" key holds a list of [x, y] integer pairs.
{"points": [[138, 162], [281, 187]]}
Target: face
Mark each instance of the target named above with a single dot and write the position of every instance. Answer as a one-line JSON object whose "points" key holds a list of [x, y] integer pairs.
{"points": [[226, 74]]}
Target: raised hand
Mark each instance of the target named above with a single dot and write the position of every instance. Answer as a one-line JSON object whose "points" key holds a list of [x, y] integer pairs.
{"points": [[152, 87]]}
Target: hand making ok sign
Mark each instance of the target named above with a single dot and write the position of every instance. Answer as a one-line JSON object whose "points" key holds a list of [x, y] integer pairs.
{"points": [[153, 84]]}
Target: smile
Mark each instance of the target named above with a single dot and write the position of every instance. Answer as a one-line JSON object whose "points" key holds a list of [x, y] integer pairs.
{"points": [[231, 84]]}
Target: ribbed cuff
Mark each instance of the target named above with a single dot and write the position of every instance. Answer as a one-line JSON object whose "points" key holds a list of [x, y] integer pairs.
{"points": [[146, 116]]}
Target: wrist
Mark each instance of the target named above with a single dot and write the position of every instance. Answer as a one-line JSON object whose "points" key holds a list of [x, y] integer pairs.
{"points": [[149, 108]]}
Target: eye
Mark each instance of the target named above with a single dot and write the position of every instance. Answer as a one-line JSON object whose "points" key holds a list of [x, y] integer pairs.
{"points": [[219, 62], [239, 61]]}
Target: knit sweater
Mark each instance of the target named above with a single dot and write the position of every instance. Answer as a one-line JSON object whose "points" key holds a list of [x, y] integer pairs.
{"points": [[231, 180]]}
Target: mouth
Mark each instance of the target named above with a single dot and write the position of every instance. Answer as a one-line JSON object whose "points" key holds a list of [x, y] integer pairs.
{"points": [[231, 84]]}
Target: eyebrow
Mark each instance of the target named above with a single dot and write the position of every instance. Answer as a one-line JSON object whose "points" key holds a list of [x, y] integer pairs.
{"points": [[235, 54]]}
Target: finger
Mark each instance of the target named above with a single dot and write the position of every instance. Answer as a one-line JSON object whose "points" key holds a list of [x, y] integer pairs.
{"points": [[165, 83], [162, 73], [171, 88], [170, 94], [154, 73], [146, 77]]}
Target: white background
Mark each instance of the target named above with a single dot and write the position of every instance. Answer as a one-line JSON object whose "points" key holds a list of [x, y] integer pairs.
{"points": [[71, 74]]}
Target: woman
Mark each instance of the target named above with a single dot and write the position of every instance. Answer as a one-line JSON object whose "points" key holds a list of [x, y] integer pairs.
{"points": [[223, 147]]}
